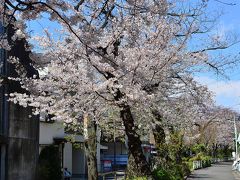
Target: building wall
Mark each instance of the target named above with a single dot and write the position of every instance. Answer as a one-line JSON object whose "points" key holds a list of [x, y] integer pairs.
{"points": [[2, 160], [73, 158], [67, 161], [3, 128], [22, 144], [3, 116], [19, 132], [120, 148], [78, 161], [48, 131]]}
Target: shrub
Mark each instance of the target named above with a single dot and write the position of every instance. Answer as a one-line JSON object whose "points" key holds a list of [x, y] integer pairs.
{"points": [[186, 169], [162, 174], [190, 165], [206, 160], [199, 148], [173, 172], [50, 164]]}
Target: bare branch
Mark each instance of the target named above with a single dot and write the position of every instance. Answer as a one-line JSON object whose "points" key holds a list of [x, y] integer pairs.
{"points": [[230, 4], [78, 5], [216, 48]]}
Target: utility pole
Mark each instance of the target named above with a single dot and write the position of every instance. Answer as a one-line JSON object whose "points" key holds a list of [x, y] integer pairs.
{"points": [[114, 141], [235, 132]]}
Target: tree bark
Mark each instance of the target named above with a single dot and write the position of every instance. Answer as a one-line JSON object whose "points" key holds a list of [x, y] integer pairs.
{"points": [[90, 148], [134, 142], [158, 133], [163, 157]]}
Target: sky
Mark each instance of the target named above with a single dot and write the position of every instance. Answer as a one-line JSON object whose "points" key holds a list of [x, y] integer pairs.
{"points": [[226, 89]]}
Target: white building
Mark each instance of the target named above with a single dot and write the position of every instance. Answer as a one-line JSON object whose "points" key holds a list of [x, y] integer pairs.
{"points": [[72, 157], [72, 154]]}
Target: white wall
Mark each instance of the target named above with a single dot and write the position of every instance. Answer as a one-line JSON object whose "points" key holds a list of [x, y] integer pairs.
{"points": [[67, 154], [48, 131], [74, 159]]}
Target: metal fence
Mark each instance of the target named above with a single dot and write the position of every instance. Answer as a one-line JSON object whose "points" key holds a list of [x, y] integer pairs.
{"points": [[116, 175], [201, 164]]}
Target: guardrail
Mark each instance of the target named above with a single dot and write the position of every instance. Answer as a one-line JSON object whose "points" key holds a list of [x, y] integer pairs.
{"points": [[202, 164], [197, 165], [115, 174]]}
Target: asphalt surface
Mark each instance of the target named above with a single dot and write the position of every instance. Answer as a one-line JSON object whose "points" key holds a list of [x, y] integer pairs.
{"points": [[219, 171]]}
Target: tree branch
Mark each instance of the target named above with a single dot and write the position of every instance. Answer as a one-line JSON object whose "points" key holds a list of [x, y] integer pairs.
{"points": [[230, 4]]}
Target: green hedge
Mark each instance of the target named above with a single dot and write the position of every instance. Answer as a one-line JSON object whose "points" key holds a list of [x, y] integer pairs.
{"points": [[174, 172], [49, 164], [206, 160]]}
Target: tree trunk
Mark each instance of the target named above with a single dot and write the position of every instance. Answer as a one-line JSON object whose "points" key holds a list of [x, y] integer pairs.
{"points": [[132, 169], [158, 131], [134, 142], [178, 153], [160, 144], [90, 148]]}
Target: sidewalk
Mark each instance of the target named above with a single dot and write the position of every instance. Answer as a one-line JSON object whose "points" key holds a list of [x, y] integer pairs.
{"points": [[218, 171], [236, 175]]}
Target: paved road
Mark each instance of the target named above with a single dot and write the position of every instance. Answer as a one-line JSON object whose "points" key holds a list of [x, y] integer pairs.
{"points": [[220, 171]]}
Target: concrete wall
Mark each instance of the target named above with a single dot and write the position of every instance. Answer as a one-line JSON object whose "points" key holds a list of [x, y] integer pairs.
{"points": [[22, 153], [3, 148], [20, 146], [22, 131]]}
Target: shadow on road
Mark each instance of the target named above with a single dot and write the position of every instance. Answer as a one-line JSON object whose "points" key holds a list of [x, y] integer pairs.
{"points": [[199, 176]]}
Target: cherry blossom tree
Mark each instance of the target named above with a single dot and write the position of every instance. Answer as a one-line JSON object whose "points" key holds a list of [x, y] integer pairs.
{"points": [[215, 126], [130, 55]]}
